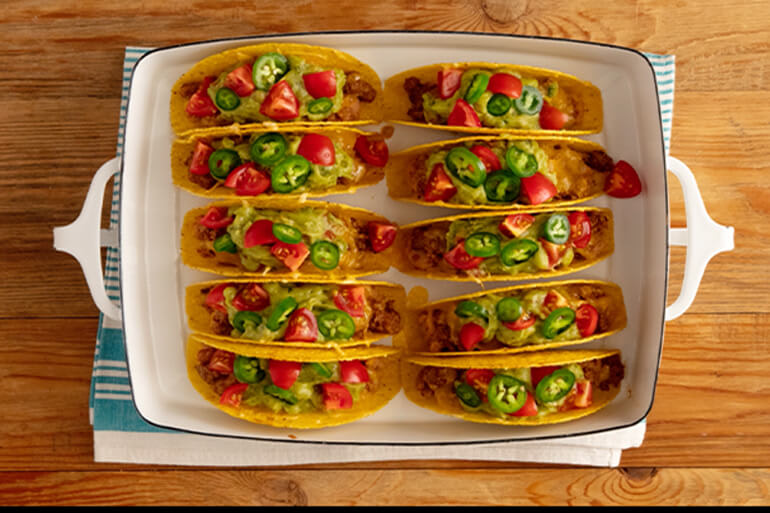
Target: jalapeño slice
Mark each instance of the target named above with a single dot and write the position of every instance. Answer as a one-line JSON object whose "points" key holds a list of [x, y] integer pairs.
{"points": [[509, 309], [557, 229], [554, 386], [245, 316], [291, 173], [506, 393], [286, 233], [521, 163], [268, 149], [466, 166], [468, 395], [558, 322], [502, 187], [281, 313], [246, 370], [222, 161], [336, 325], [325, 255], [518, 251], [320, 106], [499, 104], [280, 393], [470, 309], [478, 85], [268, 69], [482, 244], [321, 369], [225, 243], [226, 99], [530, 101]]}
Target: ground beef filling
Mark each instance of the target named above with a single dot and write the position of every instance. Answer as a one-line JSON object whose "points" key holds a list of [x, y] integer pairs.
{"points": [[207, 236], [415, 89], [606, 373], [217, 380], [426, 246], [599, 161]]}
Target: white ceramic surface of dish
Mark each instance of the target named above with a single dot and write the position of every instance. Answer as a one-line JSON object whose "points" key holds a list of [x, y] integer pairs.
{"points": [[154, 279]]}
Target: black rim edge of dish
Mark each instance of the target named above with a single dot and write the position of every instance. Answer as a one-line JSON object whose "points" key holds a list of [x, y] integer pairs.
{"points": [[406, 444]]}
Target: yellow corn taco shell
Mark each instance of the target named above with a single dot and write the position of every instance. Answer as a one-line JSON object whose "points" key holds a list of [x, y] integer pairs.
{"points": [[426, 324], [354, 262], [345, 138], [416, 242], [382, 365], [584, 96], [443, 399], [214, 65], [576, 181], [386, 304]]}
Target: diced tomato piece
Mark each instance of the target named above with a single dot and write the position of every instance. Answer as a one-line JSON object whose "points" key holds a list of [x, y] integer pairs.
{"points": [[487, 156], [587, 319], [552, 118], [381, 235], [318, 149], [200, 103], [479, 378], [373, 149], [448, 81], [463, 115], [623, 181], [351, 300], [215, 299], [252, 297], [522, 323], [516, 224], [216, 218], [336, 396], [538, 373], [240, 81], [353, 371], [199, 165], [537, 189], [555, 251], [321, 84], [504, 83], [579, 229], [222, 361], [292, 255], [470, 335], [439, 186], [280, 103], [554, 300], [233, 394], [584, 394], [247, 180], [283, 373], [260, 232], [460, 259], [302, 327], [528, 410]]}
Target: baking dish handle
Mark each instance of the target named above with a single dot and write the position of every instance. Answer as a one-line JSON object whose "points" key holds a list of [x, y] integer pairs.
{"points": [[703, 237], [83, 238]]}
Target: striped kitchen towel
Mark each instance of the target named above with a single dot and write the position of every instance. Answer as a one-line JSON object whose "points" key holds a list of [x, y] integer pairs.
{"points": [[121, 435]]}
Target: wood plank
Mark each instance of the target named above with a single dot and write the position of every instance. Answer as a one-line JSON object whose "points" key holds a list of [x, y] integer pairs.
{"points": [[531, 487]]}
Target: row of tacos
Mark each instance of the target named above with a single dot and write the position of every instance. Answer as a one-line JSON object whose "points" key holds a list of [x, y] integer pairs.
{"points": [[287, 340]]}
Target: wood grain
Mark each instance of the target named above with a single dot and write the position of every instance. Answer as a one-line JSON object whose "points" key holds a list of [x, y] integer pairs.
{"points": [[60, 77]]}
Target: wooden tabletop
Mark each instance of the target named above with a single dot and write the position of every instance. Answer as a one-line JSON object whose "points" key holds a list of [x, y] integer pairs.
{"points": [[708, 434]]}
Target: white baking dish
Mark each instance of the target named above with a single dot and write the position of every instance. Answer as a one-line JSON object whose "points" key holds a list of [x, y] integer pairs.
{"points": [[153, 278]]}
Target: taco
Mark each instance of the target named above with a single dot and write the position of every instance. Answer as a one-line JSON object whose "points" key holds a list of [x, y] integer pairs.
{"points": [[283, 162], [505, 246], [515, 319], [529, 389], [284, 387], [285, 240], [303, 314], [500, 172], [276, 83], [484, 97]]}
